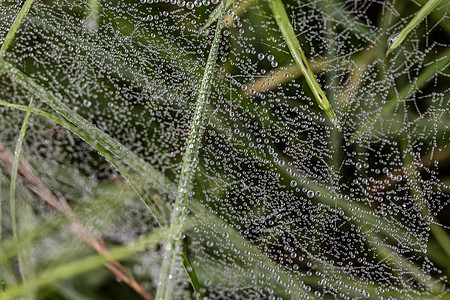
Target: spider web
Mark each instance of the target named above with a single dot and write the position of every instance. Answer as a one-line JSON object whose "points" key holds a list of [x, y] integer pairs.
{"points": [[285, 206]]}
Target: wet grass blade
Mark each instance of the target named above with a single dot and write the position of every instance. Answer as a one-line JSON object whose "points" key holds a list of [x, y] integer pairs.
{"points": [[216, 14], [396, 39], [293, 44], [176, 228], [100, 137], [12, 198], [16, 24]]}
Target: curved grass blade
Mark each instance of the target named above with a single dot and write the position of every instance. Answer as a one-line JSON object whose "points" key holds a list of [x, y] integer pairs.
{"points": [[12, 198], [173, 246], [297, 53], [156, 211], [396, 39], [16, 24]]}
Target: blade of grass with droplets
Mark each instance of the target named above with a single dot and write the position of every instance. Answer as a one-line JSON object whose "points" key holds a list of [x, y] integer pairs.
{"points": [[293, 44], [216, 14], [16, 24], [173, 246], [12, 198], [156, 211], [395, 40]]}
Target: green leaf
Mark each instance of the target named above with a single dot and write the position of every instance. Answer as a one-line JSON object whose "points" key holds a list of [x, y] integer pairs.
{"points": [[16, 24], [293, 44], [396, 39], [190, 160], [12, 198]]}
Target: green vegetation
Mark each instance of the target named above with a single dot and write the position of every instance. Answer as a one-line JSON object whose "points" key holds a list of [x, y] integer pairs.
{"points": [[171, 134]]}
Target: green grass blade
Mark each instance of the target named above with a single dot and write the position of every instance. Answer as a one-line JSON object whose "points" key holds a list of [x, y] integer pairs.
{"points": [[396, 39], [297, 53], [216, 14], [12, 198], [156, 211], [86, 264], [173, 246], [16, 24]]}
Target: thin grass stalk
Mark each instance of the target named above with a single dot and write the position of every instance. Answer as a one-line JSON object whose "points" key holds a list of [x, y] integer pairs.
{"points": [[293, 44], [216, 14], [190, 161], [396, 39], [9, 37], [12, 198], [15, 25], [280, 76]]}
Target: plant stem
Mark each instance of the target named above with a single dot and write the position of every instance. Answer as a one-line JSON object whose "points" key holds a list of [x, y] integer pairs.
{"points": [[12, 198], [293, 44], [217, 13], [93, 14], [15, 25], [396, 39], [190, 161]]}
